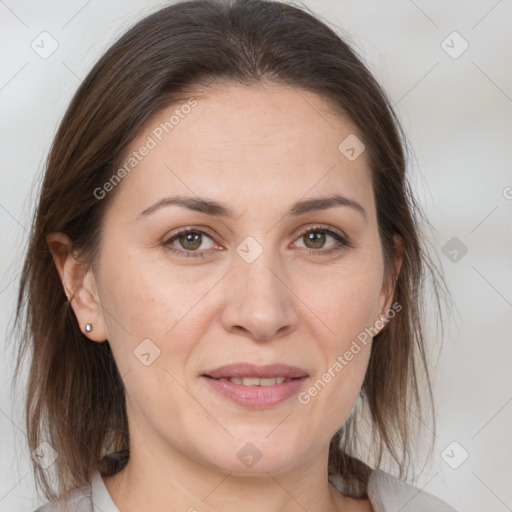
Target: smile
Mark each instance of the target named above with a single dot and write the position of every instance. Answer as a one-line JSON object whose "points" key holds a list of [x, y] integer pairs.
{"points": [[254, 386]]}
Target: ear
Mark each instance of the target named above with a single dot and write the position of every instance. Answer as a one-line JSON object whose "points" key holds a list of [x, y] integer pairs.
{"points": [[79, 285], [388, 292]]}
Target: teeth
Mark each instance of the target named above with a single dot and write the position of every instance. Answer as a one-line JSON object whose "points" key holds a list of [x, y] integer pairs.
{"points": [[251, 381], [269, 381], [255, 381]]}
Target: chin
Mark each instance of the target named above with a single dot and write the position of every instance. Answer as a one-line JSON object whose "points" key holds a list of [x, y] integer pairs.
{"points": [[257, 457]]}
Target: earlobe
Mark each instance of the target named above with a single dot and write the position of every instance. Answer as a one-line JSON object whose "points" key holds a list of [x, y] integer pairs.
{"points": [[79, 285]]}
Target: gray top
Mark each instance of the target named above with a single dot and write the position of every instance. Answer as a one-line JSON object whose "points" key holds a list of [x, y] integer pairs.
{"points": [[385, 492]]}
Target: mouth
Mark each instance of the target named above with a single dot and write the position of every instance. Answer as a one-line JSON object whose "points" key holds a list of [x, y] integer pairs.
{"points": [[256, 386]]}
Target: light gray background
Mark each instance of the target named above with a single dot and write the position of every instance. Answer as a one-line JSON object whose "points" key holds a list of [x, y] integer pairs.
{"points": [[457, 115]]}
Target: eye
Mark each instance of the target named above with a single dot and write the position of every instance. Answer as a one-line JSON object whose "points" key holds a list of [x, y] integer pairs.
{"points": [[190, 240], [316, 237]]}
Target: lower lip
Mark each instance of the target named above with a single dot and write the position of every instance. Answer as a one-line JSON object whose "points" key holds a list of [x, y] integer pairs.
{"points": [[256, 396]]}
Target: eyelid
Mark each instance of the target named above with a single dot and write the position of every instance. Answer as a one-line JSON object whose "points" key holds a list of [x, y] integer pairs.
{"points": [[189, 229], [305, 228]]}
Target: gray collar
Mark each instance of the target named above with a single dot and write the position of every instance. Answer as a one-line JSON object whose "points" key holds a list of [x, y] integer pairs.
{"points": [[385, 492]]}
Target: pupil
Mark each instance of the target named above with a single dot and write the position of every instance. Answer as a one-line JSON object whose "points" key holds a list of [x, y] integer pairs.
{"points": [[317, 239], [190, 238]]}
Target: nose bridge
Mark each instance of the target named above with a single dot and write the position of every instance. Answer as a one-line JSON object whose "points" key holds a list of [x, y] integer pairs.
{"points": [[258, 302]]}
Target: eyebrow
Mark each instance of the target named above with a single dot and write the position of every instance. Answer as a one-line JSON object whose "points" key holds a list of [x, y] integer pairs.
{"points": [[211, 207]]}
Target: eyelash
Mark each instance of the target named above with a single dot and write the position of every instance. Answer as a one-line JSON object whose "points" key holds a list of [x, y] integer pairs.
{"points": [[343, 243]]}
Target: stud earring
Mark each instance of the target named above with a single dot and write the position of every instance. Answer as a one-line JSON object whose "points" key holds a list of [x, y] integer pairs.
{"points": [[88, 327]]}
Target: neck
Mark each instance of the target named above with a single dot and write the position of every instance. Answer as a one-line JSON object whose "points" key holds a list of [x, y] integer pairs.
{"points": [[161, 480]]}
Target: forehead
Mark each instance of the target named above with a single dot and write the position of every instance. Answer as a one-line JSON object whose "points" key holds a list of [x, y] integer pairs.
{"points": [[245, 145]]}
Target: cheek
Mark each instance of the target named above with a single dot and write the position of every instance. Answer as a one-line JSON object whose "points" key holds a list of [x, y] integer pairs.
{"points": [[344, 300], [344, 305], [154, 320], [151, 311], [150, 300]]}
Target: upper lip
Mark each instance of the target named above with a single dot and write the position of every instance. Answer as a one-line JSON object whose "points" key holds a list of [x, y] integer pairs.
{"points": [[250, 370]]}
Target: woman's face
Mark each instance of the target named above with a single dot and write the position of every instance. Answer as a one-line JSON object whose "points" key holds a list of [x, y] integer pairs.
{"points": [[246, 286]]}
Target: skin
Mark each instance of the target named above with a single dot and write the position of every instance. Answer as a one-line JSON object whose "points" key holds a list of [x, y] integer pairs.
{"points": [[257, 149]]}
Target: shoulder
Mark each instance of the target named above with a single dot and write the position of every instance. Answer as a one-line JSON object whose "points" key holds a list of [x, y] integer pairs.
{"points": [[388, 493], [76, 500]]}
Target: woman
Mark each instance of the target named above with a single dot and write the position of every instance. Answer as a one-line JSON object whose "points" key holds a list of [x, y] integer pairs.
{"points": [[222, 290]]}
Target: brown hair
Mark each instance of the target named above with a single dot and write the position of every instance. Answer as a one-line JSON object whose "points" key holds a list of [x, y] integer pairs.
{"points": [[75, 396]]}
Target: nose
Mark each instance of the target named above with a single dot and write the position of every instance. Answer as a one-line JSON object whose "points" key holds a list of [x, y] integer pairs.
{"points": [[258, 301]]}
